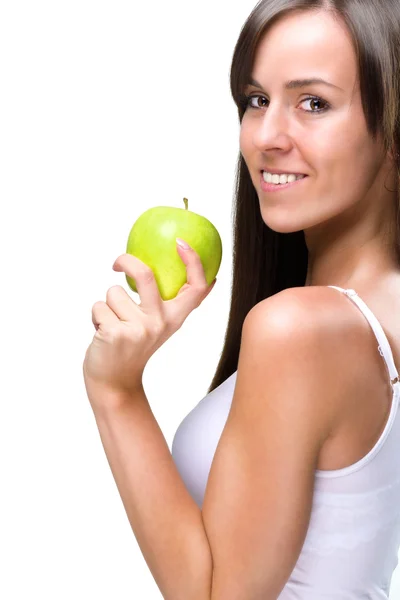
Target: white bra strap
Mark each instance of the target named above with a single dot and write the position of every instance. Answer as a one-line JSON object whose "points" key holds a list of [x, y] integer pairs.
{"points": [[384, 347]]}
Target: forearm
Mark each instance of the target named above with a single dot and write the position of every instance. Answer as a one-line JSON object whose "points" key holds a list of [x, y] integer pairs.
{"points": [[166, 521]]}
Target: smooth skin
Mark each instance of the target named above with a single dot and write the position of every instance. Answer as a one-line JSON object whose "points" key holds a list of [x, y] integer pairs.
{"points": [[343, 206], [305, 352]]}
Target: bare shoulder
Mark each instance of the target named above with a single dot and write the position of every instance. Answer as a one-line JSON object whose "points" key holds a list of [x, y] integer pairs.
{"points": [[303, 310], [312, 335]]}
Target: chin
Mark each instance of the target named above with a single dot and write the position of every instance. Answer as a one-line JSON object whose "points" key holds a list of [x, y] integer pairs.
{"points": [[277, 222], [284, 229]]}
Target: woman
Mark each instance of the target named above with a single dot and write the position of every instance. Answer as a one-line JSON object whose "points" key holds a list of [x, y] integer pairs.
{"points": [[285, 478]]}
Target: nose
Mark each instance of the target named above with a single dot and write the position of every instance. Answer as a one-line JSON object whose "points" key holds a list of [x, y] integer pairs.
{"points": [[273, 130]]}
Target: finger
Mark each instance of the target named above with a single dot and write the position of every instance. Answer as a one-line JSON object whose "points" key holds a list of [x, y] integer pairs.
{"points": [[211, 287], [196, 277], [121, 303], [192, 294], [103, 315], [145, 281]]}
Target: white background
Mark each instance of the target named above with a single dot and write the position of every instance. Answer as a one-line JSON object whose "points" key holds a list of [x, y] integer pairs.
{"points": [[107, 109]]}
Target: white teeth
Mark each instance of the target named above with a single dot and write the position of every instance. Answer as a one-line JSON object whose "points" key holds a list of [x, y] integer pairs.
{"points": [[280, 179]]}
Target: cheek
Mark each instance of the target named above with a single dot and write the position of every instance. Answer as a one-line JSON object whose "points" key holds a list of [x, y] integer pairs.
{"points": [[244, 140], [248, 151], [251, 150], [340, 146], [246, 136], [349, 165]]}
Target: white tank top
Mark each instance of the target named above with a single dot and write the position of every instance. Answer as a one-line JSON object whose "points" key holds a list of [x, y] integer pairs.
{"points": [[353, 539]]}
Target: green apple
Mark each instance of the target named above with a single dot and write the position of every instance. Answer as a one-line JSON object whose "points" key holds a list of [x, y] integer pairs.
{"points": [[152, 239]]}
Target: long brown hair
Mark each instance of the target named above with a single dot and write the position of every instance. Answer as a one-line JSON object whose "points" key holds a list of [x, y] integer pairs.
{"points": [[266, 262]]}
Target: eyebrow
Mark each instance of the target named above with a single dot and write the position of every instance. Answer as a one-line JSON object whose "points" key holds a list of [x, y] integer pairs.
{"points": [[298, 83]]}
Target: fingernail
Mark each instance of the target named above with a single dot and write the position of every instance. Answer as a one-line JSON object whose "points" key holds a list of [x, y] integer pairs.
{"points": [[182, 244]]}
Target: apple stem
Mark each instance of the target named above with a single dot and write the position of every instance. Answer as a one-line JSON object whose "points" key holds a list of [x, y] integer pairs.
{"points": [[186, 201]]}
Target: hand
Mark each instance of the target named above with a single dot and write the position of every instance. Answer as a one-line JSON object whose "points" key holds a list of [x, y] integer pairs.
{"points": [[128, 334]]}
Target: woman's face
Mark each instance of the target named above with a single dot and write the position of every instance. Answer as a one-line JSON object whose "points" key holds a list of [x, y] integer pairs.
{"points": [[283, 130]]}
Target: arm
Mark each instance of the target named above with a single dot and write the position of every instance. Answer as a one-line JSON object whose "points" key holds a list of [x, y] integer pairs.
{"points": [[166, 521]]}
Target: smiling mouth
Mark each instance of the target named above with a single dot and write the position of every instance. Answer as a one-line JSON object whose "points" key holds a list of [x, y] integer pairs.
{"points": [[291, 175], [276, 187]]}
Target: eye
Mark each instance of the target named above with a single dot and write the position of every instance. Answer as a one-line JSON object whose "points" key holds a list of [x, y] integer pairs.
{"points": [[246, 102], [316, 100]]}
